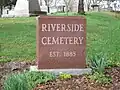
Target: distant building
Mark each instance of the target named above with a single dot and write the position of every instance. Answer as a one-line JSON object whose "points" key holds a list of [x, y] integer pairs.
{"points": [[25, 8], [115, 5], [30, 7]]}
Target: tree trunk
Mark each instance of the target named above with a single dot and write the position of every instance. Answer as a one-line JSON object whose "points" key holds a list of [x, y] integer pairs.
{"points": [[81, 7], [67, 9], [1, 9], [88, 7], [63, 9], [10, 7], [48, 9]]}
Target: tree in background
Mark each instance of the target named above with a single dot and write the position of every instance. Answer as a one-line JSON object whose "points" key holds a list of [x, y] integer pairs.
{"points": [[58, 7], [67, 5], [48, 3], [13, 2], [88, 4], [81, 7], [3, 3]]}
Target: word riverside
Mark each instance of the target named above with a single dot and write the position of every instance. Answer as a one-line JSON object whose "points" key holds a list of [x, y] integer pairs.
{"points": [[62, 27]]}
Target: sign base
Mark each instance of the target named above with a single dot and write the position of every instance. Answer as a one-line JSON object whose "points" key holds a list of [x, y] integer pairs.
{"points": [[59, 71]]}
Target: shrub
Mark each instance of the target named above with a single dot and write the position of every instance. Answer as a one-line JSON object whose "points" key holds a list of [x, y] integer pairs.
{"points": [[65, 76], [98, 63], [100, 78], [16, 82], [35, 78], [27, 80]]}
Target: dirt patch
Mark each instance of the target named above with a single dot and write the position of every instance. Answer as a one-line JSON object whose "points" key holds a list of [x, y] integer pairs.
{"points": [[115, 74], [75, 83]]}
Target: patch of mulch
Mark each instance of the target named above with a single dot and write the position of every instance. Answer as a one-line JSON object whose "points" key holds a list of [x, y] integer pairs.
{"points": [[75, 83], [83, 83], [12, 67], [115, 74]]}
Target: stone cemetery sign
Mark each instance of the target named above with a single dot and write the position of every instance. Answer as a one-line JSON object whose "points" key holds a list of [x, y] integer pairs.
{"points": [[61, 42]]}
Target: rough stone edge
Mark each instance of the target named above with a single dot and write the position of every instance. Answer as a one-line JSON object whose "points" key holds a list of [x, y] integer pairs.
{"points": [[59, 71]]}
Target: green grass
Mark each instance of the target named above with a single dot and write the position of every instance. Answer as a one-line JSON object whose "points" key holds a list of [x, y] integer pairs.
{"points": [[103, 36], [18, 37]]}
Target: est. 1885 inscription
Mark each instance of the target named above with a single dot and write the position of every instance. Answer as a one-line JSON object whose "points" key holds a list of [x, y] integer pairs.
{"points": [[61, 42]]}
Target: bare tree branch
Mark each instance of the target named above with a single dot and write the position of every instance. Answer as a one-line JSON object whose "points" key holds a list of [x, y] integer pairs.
{"points": [[48, 2], [67, 4]]}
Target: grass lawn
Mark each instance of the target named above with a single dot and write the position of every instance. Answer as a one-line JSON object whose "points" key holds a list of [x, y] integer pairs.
{"points": [[18, 37]]}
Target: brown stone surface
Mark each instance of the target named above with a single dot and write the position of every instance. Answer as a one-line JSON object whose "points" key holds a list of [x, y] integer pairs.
{"points": [[61, 42]]}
